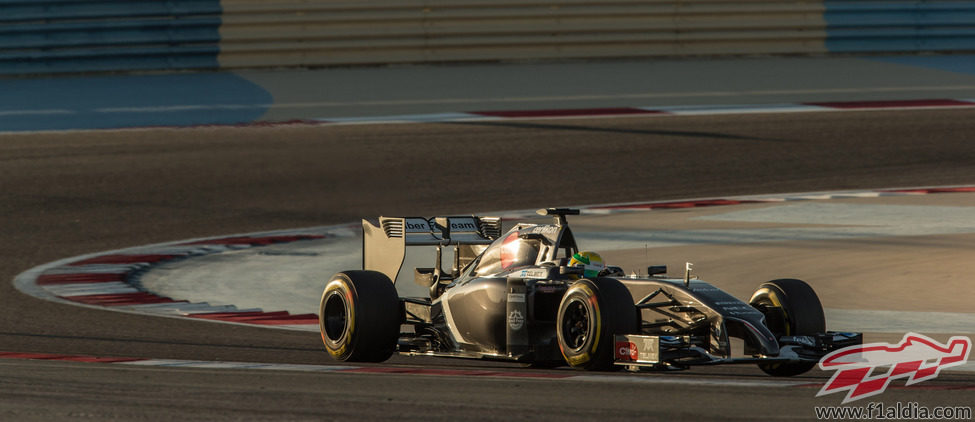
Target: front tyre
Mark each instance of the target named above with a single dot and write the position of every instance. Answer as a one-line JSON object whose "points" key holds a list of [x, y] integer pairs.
{"points": [[801, 314], [591, 314], [360, 316]]}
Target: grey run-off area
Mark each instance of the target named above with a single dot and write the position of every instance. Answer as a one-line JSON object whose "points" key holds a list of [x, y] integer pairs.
{"points": [[427, 91]]}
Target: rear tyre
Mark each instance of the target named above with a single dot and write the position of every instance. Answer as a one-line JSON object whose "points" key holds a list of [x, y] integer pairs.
{"points": [[801, 314], [591, 314], [360, 316]]}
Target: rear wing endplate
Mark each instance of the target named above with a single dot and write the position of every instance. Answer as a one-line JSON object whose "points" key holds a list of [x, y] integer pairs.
{"points": [[384, 246]]}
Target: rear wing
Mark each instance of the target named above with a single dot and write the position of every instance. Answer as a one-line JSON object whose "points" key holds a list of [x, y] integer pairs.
{"points": [[384, 246]]}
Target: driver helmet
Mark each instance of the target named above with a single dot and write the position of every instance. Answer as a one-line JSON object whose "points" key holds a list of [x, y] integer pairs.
{"points": [[590, 261]]}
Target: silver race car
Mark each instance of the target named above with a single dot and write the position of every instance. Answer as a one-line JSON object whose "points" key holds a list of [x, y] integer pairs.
{"points": [[512, 296]]}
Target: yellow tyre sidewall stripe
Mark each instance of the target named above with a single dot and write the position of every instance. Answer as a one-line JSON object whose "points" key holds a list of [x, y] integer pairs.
{"points": [[595, 320], [341, 287]]}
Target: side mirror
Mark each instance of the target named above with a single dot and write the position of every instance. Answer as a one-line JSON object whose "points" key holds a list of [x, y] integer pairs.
{"points": [[656, 270]]}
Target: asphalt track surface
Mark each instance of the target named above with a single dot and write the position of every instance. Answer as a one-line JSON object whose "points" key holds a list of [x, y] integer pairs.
{"points": [[67, 194]]}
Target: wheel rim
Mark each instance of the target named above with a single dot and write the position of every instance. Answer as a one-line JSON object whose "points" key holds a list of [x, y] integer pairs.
{"points": [[575, 325], [768, 300], [335, 316]]}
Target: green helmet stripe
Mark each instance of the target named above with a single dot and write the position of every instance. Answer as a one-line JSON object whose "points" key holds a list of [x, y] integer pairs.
{"points": [[580, 258]]}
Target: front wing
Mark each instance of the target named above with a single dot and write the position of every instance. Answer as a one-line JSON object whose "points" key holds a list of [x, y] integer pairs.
{"points": [[682, 351]]}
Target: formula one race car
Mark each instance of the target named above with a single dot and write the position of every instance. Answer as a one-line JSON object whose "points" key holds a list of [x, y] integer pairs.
{"points": [[513, 297]]}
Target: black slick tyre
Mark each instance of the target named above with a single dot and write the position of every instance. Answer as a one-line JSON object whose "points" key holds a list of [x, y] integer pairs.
{"points": [[360, 316], [591, 314], [801, 314]]}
